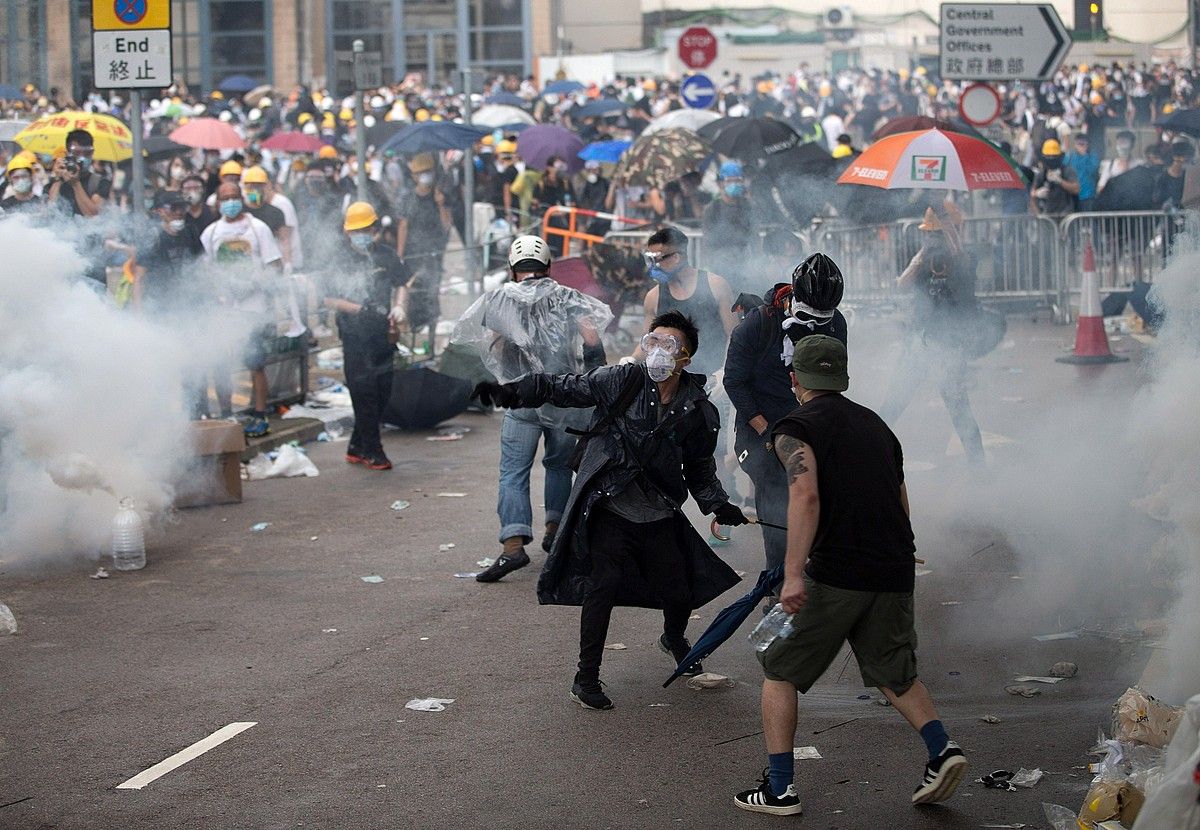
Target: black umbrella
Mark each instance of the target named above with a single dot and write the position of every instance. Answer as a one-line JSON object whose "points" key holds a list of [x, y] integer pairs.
{"points": [[604, 106], [422, 398], [808, 158], [1181, 121], [750, 138], [1132, 190], [431, 136], [158, 147], [241, 84], [728, 621], [379, 132], [914, 123]]}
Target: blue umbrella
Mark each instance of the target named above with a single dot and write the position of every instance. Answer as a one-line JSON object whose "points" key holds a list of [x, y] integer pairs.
{"points": [[240, 84], [728, 621], [432, 136], [610, 151], [604, 106], [506, 98], [516, 127], [562, 87], [10, 92]]}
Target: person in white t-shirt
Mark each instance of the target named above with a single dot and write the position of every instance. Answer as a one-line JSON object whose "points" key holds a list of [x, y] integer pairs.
{"points": [[250, 260]]}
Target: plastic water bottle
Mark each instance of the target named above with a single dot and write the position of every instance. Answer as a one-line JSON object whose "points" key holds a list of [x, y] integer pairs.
{"points": [[777, 623], [128, 541]]}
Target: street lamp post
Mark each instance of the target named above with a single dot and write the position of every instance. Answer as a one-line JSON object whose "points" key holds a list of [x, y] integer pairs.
{"points": [[360, 129]]}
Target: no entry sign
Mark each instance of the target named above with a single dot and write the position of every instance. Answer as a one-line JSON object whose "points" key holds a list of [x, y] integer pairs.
{"points": [[697, 47]]}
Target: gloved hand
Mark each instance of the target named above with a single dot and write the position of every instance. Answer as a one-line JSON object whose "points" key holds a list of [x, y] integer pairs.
{"points": [[496, 394], [730, 515]]}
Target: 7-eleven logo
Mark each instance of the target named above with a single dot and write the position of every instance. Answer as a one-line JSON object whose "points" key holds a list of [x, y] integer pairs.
{"points": [[928, 168]]}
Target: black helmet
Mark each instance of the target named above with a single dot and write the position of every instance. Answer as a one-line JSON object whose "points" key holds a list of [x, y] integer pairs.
{"points": [[816, 287]]}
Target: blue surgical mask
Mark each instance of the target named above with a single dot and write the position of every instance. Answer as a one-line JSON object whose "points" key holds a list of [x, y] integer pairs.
{"points": [[231, 208], [84, 162], [735, 189], [362, 241]]}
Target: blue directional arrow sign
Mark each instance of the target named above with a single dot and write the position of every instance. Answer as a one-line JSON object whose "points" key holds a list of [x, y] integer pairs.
{"points": [[698, 92]]}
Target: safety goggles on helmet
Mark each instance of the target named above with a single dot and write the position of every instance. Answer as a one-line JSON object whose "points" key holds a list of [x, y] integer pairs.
{"points": [[669, 342]]}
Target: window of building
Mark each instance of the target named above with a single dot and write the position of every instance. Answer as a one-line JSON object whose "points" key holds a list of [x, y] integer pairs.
{"points": [[370, 21], [239, 40]]}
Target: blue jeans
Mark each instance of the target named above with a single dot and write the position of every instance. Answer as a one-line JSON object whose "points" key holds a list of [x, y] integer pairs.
{"points": [[518, 446]]}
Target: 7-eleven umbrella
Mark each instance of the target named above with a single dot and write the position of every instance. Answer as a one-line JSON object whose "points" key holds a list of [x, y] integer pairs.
{"points": [[111, 137], [208, 134], [933, 160]]}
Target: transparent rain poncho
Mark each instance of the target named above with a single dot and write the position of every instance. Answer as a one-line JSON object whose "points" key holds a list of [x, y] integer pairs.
{"points": [[533, 327]]}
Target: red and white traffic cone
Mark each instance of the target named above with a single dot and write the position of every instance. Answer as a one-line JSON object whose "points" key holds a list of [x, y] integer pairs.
{"points": [[1091, 341]]}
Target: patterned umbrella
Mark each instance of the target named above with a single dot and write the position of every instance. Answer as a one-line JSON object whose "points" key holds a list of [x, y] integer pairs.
{"points": [[208, 134], [654, 160], [933, 160], [112, 138], [537, 144]]}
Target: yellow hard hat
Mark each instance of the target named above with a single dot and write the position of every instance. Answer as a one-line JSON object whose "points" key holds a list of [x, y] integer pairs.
{"points": [[217, 95], [1083, 67], [421, 163], [358, 216], [19, 162], [1050, 147], [328, 121], [436, 117], [922, 71], [230, 168], [421, 115], [506, 147], [255, 175], [488, 140], [1096, 98], [327, 151], [825, 89], [346, 114], [1097, 83], [303, 118], [841, 151]]}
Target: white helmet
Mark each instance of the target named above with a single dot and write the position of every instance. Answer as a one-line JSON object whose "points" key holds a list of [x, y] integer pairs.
{"points": [[525, 248]]}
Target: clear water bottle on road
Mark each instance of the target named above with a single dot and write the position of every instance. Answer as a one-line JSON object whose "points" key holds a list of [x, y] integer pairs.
{"points": [[128, 540], [777, 623]]}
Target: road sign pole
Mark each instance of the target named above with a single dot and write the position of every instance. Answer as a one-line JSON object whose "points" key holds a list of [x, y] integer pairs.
{"points": [[463, 21], [138, 173], [360, 129]]}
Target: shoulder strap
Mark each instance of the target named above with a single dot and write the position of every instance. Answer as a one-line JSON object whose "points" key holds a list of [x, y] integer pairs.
{"points": [[629, 392]]}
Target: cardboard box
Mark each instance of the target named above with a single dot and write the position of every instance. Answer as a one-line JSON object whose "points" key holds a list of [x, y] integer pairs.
{"points": [[215, 474]]}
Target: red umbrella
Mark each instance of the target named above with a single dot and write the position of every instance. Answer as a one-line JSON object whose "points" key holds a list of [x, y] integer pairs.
{"points": [[208, 134], [293, 142], [916, 123]]}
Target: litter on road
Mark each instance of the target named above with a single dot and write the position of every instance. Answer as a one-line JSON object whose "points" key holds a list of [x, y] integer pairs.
{"points": [[429, 704], [1023, 691], [1064, 669], [710, 680], [260, 527], [1049, 638], [8, 620], [486, 562], [616, 647], [1029, 678], [289, 461], [989, 718], [451, 495], [400, 504], [806, 753], [374, 579], [1027, 778], [329, 631], [445, 547], [100, 573]]}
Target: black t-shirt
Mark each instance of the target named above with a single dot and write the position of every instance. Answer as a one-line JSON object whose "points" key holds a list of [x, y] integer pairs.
{"points": [[93, 184], [14, 205], [425, 232], [270, 215], [369, 280], [499, 178], [164, 285], [199, 223], [864, 541]]}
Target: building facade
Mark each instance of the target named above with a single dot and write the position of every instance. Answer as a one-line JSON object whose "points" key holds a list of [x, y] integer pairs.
{"points": [[280, 42]]}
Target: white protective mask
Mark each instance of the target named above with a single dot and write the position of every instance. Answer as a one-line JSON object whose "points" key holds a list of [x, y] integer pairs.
{"points": [[660, 365], [176, 225], [22, 186], [592, 178], [425, 179]]}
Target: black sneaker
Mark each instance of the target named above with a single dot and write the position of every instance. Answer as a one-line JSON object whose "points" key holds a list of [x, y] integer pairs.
{"points": [[548, 540], [762, 800], [589, 694], [942, 775], [678, 652], [503, 566]]}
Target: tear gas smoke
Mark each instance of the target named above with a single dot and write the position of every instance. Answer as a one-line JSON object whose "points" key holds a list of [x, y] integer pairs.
{"points": [[92, 401]]}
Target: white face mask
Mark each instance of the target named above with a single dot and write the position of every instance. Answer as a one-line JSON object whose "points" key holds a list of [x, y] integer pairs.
{"points": [[425, 179], [592, 178], [176, 225], [178, 174], [22, 186], [660, 364]]}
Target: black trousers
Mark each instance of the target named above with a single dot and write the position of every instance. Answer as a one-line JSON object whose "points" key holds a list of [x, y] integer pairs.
{"points": [[770, 488], [368, 366], [620, 550]]}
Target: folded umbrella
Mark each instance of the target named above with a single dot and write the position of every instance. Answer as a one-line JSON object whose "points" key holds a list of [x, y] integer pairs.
{"points": [[728, 621], [536, 145], [208, 134], [433, 136], [608, 151], [422, 398]]}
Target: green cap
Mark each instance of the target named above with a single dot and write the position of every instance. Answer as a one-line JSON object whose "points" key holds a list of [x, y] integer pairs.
{"points": [[820, 363]]}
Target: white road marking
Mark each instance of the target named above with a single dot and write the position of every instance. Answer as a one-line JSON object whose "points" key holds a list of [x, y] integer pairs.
{"points": [[184, 755]]}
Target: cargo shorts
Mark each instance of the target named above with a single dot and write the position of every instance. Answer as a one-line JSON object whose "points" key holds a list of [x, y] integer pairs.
{"points": [[879, 626]]}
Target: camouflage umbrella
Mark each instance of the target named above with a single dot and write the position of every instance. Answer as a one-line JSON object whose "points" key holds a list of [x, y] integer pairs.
{"points": [[662, 157]]}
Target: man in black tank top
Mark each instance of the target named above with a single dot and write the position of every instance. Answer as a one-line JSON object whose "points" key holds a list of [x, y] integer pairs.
{"points": [[706, 299]]}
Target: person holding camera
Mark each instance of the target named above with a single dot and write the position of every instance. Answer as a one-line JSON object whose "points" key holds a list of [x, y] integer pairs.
{"points": [[1055, 186], [74, 185]]}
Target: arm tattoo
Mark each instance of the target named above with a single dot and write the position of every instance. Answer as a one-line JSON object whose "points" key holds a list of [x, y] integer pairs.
{"points": [[791, 452]]}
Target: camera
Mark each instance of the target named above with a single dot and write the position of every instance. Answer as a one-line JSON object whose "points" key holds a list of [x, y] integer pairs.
{"points": [[71, 166]]}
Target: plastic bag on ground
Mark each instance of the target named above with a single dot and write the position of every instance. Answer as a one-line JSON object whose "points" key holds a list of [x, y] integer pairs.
{"points": [[289, 462], [1060, 817], [429, 704], [1141, 718], [8, 620], [1173, 802]]}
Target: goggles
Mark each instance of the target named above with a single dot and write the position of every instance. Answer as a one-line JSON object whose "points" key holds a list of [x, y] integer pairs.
{"points": [[668, 342], [657, 258]]}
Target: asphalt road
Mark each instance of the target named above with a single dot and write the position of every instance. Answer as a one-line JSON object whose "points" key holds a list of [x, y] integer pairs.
{"points": [[108, 677]]}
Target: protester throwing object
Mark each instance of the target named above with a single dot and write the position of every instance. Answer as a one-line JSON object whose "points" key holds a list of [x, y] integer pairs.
{"points": [[624, 539], [849, 575]]}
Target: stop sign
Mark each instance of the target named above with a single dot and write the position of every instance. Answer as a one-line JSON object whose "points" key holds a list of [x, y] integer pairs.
{"points": [[697, 47]]}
